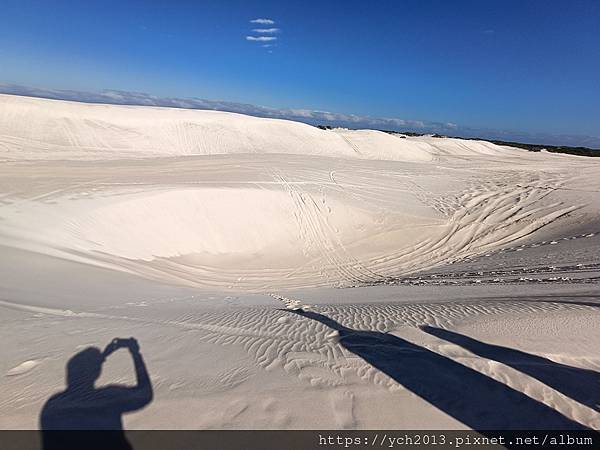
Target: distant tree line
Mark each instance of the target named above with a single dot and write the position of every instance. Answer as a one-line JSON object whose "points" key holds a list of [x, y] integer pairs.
{"points": [[580, 151]]}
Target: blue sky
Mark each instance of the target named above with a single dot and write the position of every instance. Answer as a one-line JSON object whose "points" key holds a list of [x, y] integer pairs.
{"points": [[529, 66]]}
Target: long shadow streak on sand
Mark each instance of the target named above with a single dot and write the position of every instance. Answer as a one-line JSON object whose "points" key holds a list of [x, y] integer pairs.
{"points": [[582, 385], [476, 400], [83, 416], [559, 298], [591, 304]]}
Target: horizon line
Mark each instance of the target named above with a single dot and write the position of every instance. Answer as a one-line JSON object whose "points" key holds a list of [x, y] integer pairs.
{"points": [[309, 116]]}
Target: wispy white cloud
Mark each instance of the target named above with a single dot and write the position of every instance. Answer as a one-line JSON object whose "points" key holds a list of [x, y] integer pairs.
{"points": [[266, 30], [264, 34], [261, 38], [263, 21]]}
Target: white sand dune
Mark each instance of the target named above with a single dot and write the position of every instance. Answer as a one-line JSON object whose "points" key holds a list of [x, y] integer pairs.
{"points": [[195, 230], [49, 129], [307, 208]]}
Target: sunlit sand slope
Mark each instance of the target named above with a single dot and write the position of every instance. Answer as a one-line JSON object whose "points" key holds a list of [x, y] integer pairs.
{"points": [[227, 200]]}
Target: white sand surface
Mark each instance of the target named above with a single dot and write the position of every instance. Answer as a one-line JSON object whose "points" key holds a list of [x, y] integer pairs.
{"points": [[193, 231]]}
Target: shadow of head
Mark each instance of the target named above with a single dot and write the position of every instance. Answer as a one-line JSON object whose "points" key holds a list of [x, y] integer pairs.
{"points": [[84, 368]]}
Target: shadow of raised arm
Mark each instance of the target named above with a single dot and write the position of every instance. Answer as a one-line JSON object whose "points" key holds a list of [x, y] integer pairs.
{"points": [[138, 396]]}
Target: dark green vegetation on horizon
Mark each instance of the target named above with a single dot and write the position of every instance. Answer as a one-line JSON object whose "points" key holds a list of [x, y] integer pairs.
{"points": [[579, 151]]}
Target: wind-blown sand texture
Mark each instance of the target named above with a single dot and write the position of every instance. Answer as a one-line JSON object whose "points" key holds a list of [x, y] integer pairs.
{"points": [[269, 269]]}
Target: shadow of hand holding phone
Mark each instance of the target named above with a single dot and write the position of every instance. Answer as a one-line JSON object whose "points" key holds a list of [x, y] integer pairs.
{"points": [[83, 406]]}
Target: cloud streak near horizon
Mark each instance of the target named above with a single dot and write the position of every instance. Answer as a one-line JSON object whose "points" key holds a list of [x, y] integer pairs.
{"points": [[312, 117]]}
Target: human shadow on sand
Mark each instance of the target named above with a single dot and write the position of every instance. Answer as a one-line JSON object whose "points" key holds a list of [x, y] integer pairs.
{"points": [[84, 407], [476, 400], [582, 385]]}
